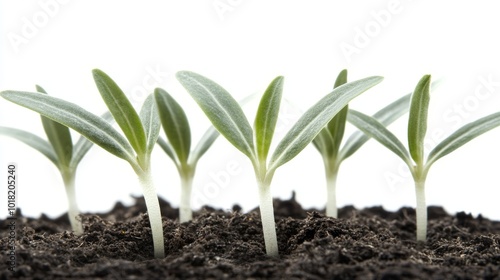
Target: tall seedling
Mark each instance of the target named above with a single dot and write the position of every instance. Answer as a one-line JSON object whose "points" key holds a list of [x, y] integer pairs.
{"points": [[329, 139], [141, 132], [228, 118], [62, 153], [417, 127]]}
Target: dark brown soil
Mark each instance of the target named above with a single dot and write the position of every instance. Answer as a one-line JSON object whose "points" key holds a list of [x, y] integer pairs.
{"points": [[362, 244]]}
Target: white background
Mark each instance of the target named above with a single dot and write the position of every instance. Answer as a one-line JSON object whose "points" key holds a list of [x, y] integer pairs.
{"points": [[243, 45]]}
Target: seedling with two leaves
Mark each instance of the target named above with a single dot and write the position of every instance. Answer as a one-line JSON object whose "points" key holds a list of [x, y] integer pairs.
{"points": [[329, 139], [228, 118], [417, 127], [141, 133]]}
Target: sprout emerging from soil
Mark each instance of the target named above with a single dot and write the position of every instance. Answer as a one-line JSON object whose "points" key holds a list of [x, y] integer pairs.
{"points": [[62, 153], [141, 133], [178, 148], [228, 118], [329, 139], [417, 126]]}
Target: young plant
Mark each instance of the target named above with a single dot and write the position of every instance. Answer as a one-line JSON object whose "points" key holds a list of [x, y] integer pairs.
{"points": [[178, 148], [414, 158], [59, 149], [141, 132], [228, 118], [329, 139]]}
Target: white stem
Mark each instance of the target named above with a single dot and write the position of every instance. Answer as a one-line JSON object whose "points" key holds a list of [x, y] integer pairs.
{"points": [[73, 212], [185, 212], [154, 213], [421, 210], [331, 191], [267, 217]]}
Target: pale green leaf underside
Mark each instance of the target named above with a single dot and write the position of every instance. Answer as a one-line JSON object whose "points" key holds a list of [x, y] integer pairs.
{"points": [[336, 126], [175, 124], [316, 118], [33, 141], [203, 145], [150, 121], [375, 129], [221, 109], [417, 122], [83, 144], [73, 116], [121, 109], [59, 137], [463, 135], [165, 146], [267, 117], [385, 116]]}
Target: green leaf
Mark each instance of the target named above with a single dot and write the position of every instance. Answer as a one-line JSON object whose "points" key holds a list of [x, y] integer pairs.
{"points": [[83, 145], [417, 122], [59, 137], [316, 118], [463, 135], [33, 141], [385, 116], [203, 145], [165, 146], [267, 117], [121, 109], [150, 121], [175, 124], [223, 111], [375, 129], [73, 116]]}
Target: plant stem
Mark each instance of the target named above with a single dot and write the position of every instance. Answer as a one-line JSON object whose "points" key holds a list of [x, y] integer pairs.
{"points": [[421, 211], [267, 214], [73, 212], [154, 213], [185, 212], [331, 190]]}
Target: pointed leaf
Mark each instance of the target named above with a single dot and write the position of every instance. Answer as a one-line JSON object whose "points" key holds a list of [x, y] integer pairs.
{"points": [[121, 109], [83, 144], [203, 145], [417, 122], [73, 116], [33, 141], [223, 111], [385, 116], [463, 135], [175, 124], [150, 121], [59, 137], [267, 117], [376, 130], [316, 118]]}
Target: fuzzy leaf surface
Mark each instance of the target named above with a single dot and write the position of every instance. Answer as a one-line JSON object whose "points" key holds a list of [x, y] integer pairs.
{"points": [[316, 118], [463, 135], [59, 137], [33, 141], [73, 116], [175, 124], [221, 109], [150, 121], [267, 117], [121, 109], [378, 131], [417, 122]]}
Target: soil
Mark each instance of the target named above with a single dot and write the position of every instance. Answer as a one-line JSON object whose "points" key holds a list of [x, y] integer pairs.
{"points": [[362, 244]]}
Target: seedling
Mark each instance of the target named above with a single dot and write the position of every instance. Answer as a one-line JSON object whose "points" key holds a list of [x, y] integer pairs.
{"points": [[59, 149], [178, 148], [228, 118], [417, 126], [141, 132], [329, 139]]}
